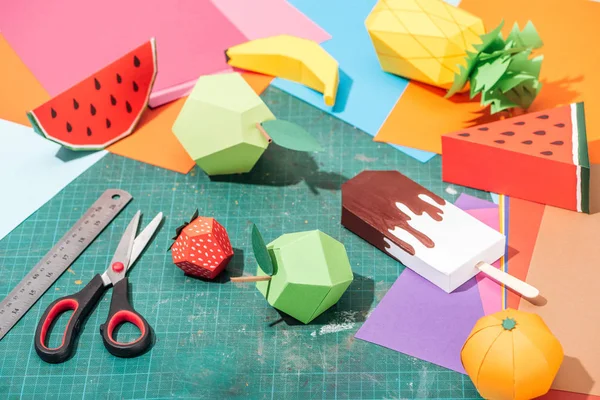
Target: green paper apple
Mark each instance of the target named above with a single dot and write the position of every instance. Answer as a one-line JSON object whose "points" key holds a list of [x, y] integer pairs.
{"points": [[311, 272], [225, 126]]}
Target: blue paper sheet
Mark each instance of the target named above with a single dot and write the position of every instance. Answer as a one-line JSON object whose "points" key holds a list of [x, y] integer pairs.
{"points": [[366, 94], [32, 171]]}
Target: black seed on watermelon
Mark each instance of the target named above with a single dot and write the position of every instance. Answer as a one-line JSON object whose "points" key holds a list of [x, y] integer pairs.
{"points": [[96, 84], [119, 79], [508, 133], [135, 87], [92, 110], [499, 141], [539, 133], [527, 142], [75, 104], [53, 112], [558, 143], [69, 127], [113, 101], [464, 134], [561, 125], [546, 153], [128, 107], [136, 61], [520, 123], [483, 128], [108, 123], [89, 131], [544, 116]]}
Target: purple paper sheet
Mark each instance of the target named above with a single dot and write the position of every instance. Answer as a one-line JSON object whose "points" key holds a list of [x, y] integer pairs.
{"points": [[468, 202], [419, 319]]}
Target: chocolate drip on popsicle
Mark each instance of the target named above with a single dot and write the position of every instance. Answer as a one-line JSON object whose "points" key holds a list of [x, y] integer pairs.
{"points": [[370, 210]]}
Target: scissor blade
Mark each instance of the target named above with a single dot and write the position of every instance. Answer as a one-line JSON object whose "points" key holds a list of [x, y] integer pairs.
{"points": [[142, 240], [124, 250]]}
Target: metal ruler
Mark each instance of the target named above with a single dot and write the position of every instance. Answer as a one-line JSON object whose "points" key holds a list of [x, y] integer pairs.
{"points": [[60, 257]]}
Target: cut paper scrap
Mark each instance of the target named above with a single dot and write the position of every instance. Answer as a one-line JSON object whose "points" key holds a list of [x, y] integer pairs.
{"points": [[19, 90], [524, 220], [365, 94], [190, 39], [564, 266], [417, 318], [562, 395], [263, 18], [34, 170], [568, 74], [154, 143]]}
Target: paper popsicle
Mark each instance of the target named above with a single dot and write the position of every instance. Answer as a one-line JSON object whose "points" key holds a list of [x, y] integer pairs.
{"points": [[434, 238]]}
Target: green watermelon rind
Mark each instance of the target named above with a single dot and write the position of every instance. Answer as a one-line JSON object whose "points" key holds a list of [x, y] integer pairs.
{"points": [[583, 160], [37, 127]]}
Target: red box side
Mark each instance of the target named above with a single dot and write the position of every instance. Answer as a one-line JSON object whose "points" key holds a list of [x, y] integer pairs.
{"points": [[507, 172]]}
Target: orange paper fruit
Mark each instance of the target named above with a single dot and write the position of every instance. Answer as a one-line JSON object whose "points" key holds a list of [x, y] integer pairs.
{"points": [[511, 355]]}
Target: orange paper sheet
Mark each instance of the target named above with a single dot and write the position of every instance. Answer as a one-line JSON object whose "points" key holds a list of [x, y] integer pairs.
{"points": [[152, 142], [19, 90], [569, 73]]}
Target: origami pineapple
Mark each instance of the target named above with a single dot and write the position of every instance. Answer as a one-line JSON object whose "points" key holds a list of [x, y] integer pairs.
{"points": [[424, 40]]}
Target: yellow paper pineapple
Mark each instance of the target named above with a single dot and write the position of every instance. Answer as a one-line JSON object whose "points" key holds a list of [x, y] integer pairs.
{"points": [[424, 40]]}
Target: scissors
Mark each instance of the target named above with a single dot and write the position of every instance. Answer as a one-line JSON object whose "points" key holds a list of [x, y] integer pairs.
{"points": [[83, 302]]}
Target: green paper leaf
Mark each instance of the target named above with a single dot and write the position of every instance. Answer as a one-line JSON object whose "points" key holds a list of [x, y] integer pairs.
{"points": [[488, 74], [501, 70], [291, 136], [261, 253]]}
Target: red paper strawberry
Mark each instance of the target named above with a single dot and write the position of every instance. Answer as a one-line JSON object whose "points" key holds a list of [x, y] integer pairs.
{"points": [[202, 247]]}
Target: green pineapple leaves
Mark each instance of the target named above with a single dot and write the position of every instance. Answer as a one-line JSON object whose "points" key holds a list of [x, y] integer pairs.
{"points": [[291, 136], [501, 70], [261, 253]]}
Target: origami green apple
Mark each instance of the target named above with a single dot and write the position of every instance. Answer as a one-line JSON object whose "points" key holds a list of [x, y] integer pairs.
{"points": [[311, 271], [225, 126]]}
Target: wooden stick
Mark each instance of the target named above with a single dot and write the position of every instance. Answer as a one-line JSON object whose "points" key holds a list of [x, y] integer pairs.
{"points": [[250, 278], [264, 133], [523, 288]]}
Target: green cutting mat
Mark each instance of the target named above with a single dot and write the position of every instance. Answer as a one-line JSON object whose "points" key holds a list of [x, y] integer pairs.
{"points": [[216, 339]]}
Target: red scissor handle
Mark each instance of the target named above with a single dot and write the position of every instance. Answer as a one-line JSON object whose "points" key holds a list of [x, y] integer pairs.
{"points": [[82, 303], [121, 312]]}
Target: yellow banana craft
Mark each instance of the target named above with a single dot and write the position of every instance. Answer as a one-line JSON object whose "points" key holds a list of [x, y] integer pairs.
{"points": [[289, 57]]}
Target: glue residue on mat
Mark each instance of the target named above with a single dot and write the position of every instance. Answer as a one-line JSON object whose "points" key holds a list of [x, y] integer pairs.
{"points": [[344, 321]]}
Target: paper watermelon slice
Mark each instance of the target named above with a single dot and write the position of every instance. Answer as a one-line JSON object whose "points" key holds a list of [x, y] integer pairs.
{"points": [[103, 108], [541, 157]]}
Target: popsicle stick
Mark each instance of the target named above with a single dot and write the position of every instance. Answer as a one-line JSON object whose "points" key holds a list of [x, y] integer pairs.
{"points": [[250, 278], [523, 288], [264, 133]]}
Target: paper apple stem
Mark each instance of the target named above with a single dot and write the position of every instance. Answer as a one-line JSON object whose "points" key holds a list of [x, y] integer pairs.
{"points": [[250, 278], [264, 133], [523, 288]]}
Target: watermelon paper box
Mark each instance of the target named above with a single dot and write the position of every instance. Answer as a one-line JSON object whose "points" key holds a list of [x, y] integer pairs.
{"points": [[103, 108], [540, 157]]}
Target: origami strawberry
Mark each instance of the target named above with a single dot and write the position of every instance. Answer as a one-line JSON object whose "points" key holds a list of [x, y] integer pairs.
{"points": [[201, 247]]}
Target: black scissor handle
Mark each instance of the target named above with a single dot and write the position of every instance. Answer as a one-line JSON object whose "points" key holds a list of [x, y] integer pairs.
{"points": [[82, 303], [120, 312]]}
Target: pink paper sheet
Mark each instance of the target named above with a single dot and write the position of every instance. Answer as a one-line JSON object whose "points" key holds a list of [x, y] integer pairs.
{"points": [[489, 290], [63, 42], [263, 18]]}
